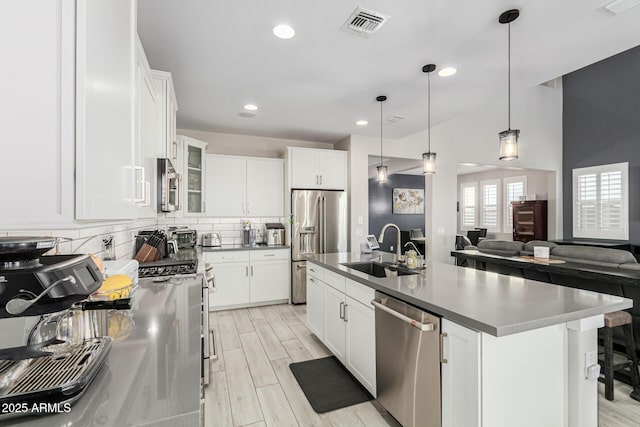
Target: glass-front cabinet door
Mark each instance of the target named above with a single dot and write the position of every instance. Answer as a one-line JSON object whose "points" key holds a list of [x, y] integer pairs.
{"points": [[194, 176]]}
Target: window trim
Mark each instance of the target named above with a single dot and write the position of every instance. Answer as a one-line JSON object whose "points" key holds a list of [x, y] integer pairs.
{"points": [[480, 218], [507, 207], [464, 185], [602, 234]]}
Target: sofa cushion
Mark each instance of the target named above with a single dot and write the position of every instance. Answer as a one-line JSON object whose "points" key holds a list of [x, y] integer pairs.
{"points": [[593, 255], [500, 247]]}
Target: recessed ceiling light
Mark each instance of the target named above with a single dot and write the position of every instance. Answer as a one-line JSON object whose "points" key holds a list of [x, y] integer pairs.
{"points": [[283, 31], [362, 122], [446, 72], [250, 107]]}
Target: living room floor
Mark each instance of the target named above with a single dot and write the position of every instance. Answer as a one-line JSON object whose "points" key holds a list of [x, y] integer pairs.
{"points": [[251, 383]]}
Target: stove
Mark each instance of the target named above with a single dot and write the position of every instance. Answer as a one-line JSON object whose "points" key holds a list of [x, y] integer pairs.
{"points": [[185, 261]]}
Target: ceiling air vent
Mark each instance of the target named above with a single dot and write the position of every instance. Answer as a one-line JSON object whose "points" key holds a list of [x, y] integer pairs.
{"points": [[394, 119], [619, 6], [364, 22]]}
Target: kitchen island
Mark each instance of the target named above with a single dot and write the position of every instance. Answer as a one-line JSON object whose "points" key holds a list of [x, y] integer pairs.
{"points": [[152, 374], [518, 351]]}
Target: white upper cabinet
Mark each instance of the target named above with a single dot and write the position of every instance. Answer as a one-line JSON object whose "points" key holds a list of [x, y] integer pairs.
{"points": [[168, 107], [146, 137], [105, 70], [314, 168], [38, 110], [194, 176], [226, 189], [244, 186], [265, 187]]}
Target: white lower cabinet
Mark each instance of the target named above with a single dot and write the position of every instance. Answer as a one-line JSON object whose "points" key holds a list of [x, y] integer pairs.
{"points": [[232, 284], [334, 324], [460, 376], [344, 321], [244, 278], [269, 280], [315, 305], [361, 339]]}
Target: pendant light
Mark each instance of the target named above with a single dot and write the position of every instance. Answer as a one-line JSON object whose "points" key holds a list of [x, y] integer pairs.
{"points": [[382, 169], [428, 158], [509, 138]]}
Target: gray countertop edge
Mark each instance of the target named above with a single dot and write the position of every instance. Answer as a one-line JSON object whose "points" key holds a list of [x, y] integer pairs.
{"points": [[226, 248], [497, 331]]}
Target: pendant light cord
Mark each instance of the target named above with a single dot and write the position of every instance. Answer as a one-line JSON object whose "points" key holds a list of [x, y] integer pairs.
{"points": [[509, 72], [381, 133], [429, 111]]}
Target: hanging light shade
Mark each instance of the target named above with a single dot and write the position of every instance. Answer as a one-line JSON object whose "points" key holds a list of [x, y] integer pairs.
{"points": [[429, 158], [382, 169], [509, 138]]}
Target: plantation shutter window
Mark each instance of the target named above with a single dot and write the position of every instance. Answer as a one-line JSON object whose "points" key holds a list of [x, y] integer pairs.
{"points": [[600, 202], [514, 188], [468, 208], [489, 212]]}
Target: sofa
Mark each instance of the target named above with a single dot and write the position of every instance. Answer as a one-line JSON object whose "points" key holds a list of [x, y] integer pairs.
{"points": [[604, 270]]}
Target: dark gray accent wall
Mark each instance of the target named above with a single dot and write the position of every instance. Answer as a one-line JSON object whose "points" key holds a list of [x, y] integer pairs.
{"points": [[380, 207], [601, 125]]}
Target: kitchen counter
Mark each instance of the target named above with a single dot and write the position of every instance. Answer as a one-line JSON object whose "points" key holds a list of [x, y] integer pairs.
{"points": [[488, 302], [151, 376], [224, 248]]}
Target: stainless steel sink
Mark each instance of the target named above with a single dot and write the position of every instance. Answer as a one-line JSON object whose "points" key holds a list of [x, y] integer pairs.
{"points": [[377, 269]]}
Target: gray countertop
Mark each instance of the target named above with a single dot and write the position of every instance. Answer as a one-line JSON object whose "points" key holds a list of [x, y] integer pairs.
{"points": [[151, 376], [489, 302], [240, 248]]}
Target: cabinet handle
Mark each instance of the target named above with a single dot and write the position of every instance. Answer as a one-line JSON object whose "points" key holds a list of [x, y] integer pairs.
{"points": [[312, 270], [248, 207], [344, 315], [442, 337], [342, 310], [311, 280], [247, 271], [244, 208], [269, 254], [174, 154], [252, 270], [320, 179], [204, 206]]}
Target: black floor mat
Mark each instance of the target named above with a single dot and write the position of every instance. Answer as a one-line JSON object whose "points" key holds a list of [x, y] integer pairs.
{"points": [[328, 385]]}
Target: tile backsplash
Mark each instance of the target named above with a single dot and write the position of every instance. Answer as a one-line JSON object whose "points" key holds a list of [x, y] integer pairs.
{"points": [[80, 238], [230, 229]]}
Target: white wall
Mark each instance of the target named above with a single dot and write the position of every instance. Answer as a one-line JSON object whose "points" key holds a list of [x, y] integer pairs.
{"points": [[247, 145], [540, 184], [472, 138]]}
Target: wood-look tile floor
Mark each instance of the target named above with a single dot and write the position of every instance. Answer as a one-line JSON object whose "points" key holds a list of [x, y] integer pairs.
{"points": [[252, 385]]}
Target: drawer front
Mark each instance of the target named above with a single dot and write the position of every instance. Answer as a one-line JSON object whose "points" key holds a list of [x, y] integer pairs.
{"points": [[359, 292], [334, 280], [228, 256], [266, 254], [315, 270]]}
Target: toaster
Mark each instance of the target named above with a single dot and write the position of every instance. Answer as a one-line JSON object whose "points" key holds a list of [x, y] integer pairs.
{"points": [[211, 240]]}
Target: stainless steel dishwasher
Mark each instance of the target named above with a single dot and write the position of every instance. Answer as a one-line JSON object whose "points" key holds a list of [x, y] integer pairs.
{"points": [[408, 362]]}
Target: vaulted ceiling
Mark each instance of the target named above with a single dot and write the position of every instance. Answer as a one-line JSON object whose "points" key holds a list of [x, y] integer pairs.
{"points": [[316, 85]]}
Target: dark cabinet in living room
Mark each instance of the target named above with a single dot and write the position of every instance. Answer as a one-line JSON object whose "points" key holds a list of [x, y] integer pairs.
{"points": [[529, 220]]}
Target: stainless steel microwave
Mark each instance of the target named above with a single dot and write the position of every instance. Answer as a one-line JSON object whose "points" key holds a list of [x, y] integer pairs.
{"points": [[169, 187]]}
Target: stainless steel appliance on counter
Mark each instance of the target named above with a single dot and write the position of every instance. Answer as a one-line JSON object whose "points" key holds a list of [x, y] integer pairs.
{"points": [[185, 237], [319, 226], [408, 357], [275, 233], [169, 187], [38, 295], [211, 240]]}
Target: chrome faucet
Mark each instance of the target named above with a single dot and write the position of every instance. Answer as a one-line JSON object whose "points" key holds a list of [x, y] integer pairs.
{"points": [[399, 257]]}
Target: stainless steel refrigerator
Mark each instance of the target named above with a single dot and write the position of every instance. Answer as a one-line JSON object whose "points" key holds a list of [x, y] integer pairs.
{"points": [[319, 226]]}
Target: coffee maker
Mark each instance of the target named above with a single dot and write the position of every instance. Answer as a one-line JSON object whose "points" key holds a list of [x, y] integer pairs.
{"points": [[38, 363]]}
